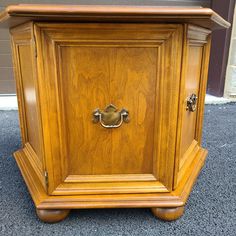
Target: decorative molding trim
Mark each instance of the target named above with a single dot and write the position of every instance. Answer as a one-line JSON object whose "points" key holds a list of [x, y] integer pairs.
{"points": [[176, 198]]}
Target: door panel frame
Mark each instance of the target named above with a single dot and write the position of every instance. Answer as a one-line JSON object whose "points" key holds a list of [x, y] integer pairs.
{"points": [[168, 39], [199, 37]]}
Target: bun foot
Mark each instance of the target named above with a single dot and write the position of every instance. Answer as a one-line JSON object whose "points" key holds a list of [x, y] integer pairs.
{"points": [[52, 216], [168, 214]]}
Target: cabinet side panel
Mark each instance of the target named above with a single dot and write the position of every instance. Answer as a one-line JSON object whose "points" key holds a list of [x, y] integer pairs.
{"points": [[29, 93], [194, 77], [25, 76]]}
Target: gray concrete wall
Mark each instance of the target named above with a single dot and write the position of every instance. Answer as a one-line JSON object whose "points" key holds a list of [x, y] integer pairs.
{"points": [[7, 84]]}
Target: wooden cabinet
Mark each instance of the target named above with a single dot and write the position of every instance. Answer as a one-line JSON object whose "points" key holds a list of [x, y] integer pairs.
{"points": [[111, 104]]}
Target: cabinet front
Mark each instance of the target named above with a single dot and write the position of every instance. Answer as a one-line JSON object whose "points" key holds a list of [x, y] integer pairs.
{"points": [[110, 102]]}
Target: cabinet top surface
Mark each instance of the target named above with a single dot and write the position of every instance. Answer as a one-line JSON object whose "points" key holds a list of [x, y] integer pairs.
{"points": [[17, 14]]}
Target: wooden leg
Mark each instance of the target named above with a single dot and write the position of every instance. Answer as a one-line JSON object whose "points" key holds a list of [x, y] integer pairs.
{"points": [[52, 216], [168, 214]]}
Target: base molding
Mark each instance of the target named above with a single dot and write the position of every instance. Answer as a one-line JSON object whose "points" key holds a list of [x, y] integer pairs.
{"points": [[174, 199]]}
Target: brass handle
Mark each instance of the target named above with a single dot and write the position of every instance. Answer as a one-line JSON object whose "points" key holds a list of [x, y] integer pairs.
{"points": [[111, 117], [192, 103]]}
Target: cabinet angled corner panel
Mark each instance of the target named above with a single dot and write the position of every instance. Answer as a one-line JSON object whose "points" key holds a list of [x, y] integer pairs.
{"points": [[111, 104], [27, 94]]}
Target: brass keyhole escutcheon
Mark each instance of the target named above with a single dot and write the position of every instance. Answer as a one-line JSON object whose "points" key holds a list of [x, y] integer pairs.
{"points": [[192, 103], [111, 117]]}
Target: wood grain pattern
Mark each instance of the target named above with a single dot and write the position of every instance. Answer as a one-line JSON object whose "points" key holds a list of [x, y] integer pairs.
{"points": [[191, 86], [97, 77], [28, 86]]}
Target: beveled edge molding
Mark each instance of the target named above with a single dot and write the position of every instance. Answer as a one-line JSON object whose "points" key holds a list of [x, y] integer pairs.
{"points": [[185, 157], [174, 199], [110, 188], [50, 30], [188, 180], [35, 163], [109, 178], [197, 35], [14, 14]]}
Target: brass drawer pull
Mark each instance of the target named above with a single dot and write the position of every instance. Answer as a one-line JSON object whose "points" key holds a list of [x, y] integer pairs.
{"points": [[192, 103], [111, 117]]}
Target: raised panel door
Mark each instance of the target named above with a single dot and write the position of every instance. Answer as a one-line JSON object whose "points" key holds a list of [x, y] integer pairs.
{"points": [[96, 66]]}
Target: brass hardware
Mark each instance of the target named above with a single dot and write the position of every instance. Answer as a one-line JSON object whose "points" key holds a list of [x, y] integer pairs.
{"points": [[111, 117], [192, 103]]}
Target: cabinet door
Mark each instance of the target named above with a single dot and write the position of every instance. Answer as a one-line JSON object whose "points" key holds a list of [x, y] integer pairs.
{"points": [[194, 79], [88, 66]]}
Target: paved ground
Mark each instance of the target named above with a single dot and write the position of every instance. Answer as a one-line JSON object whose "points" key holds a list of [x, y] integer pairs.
{"points": [[211, 209]]}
